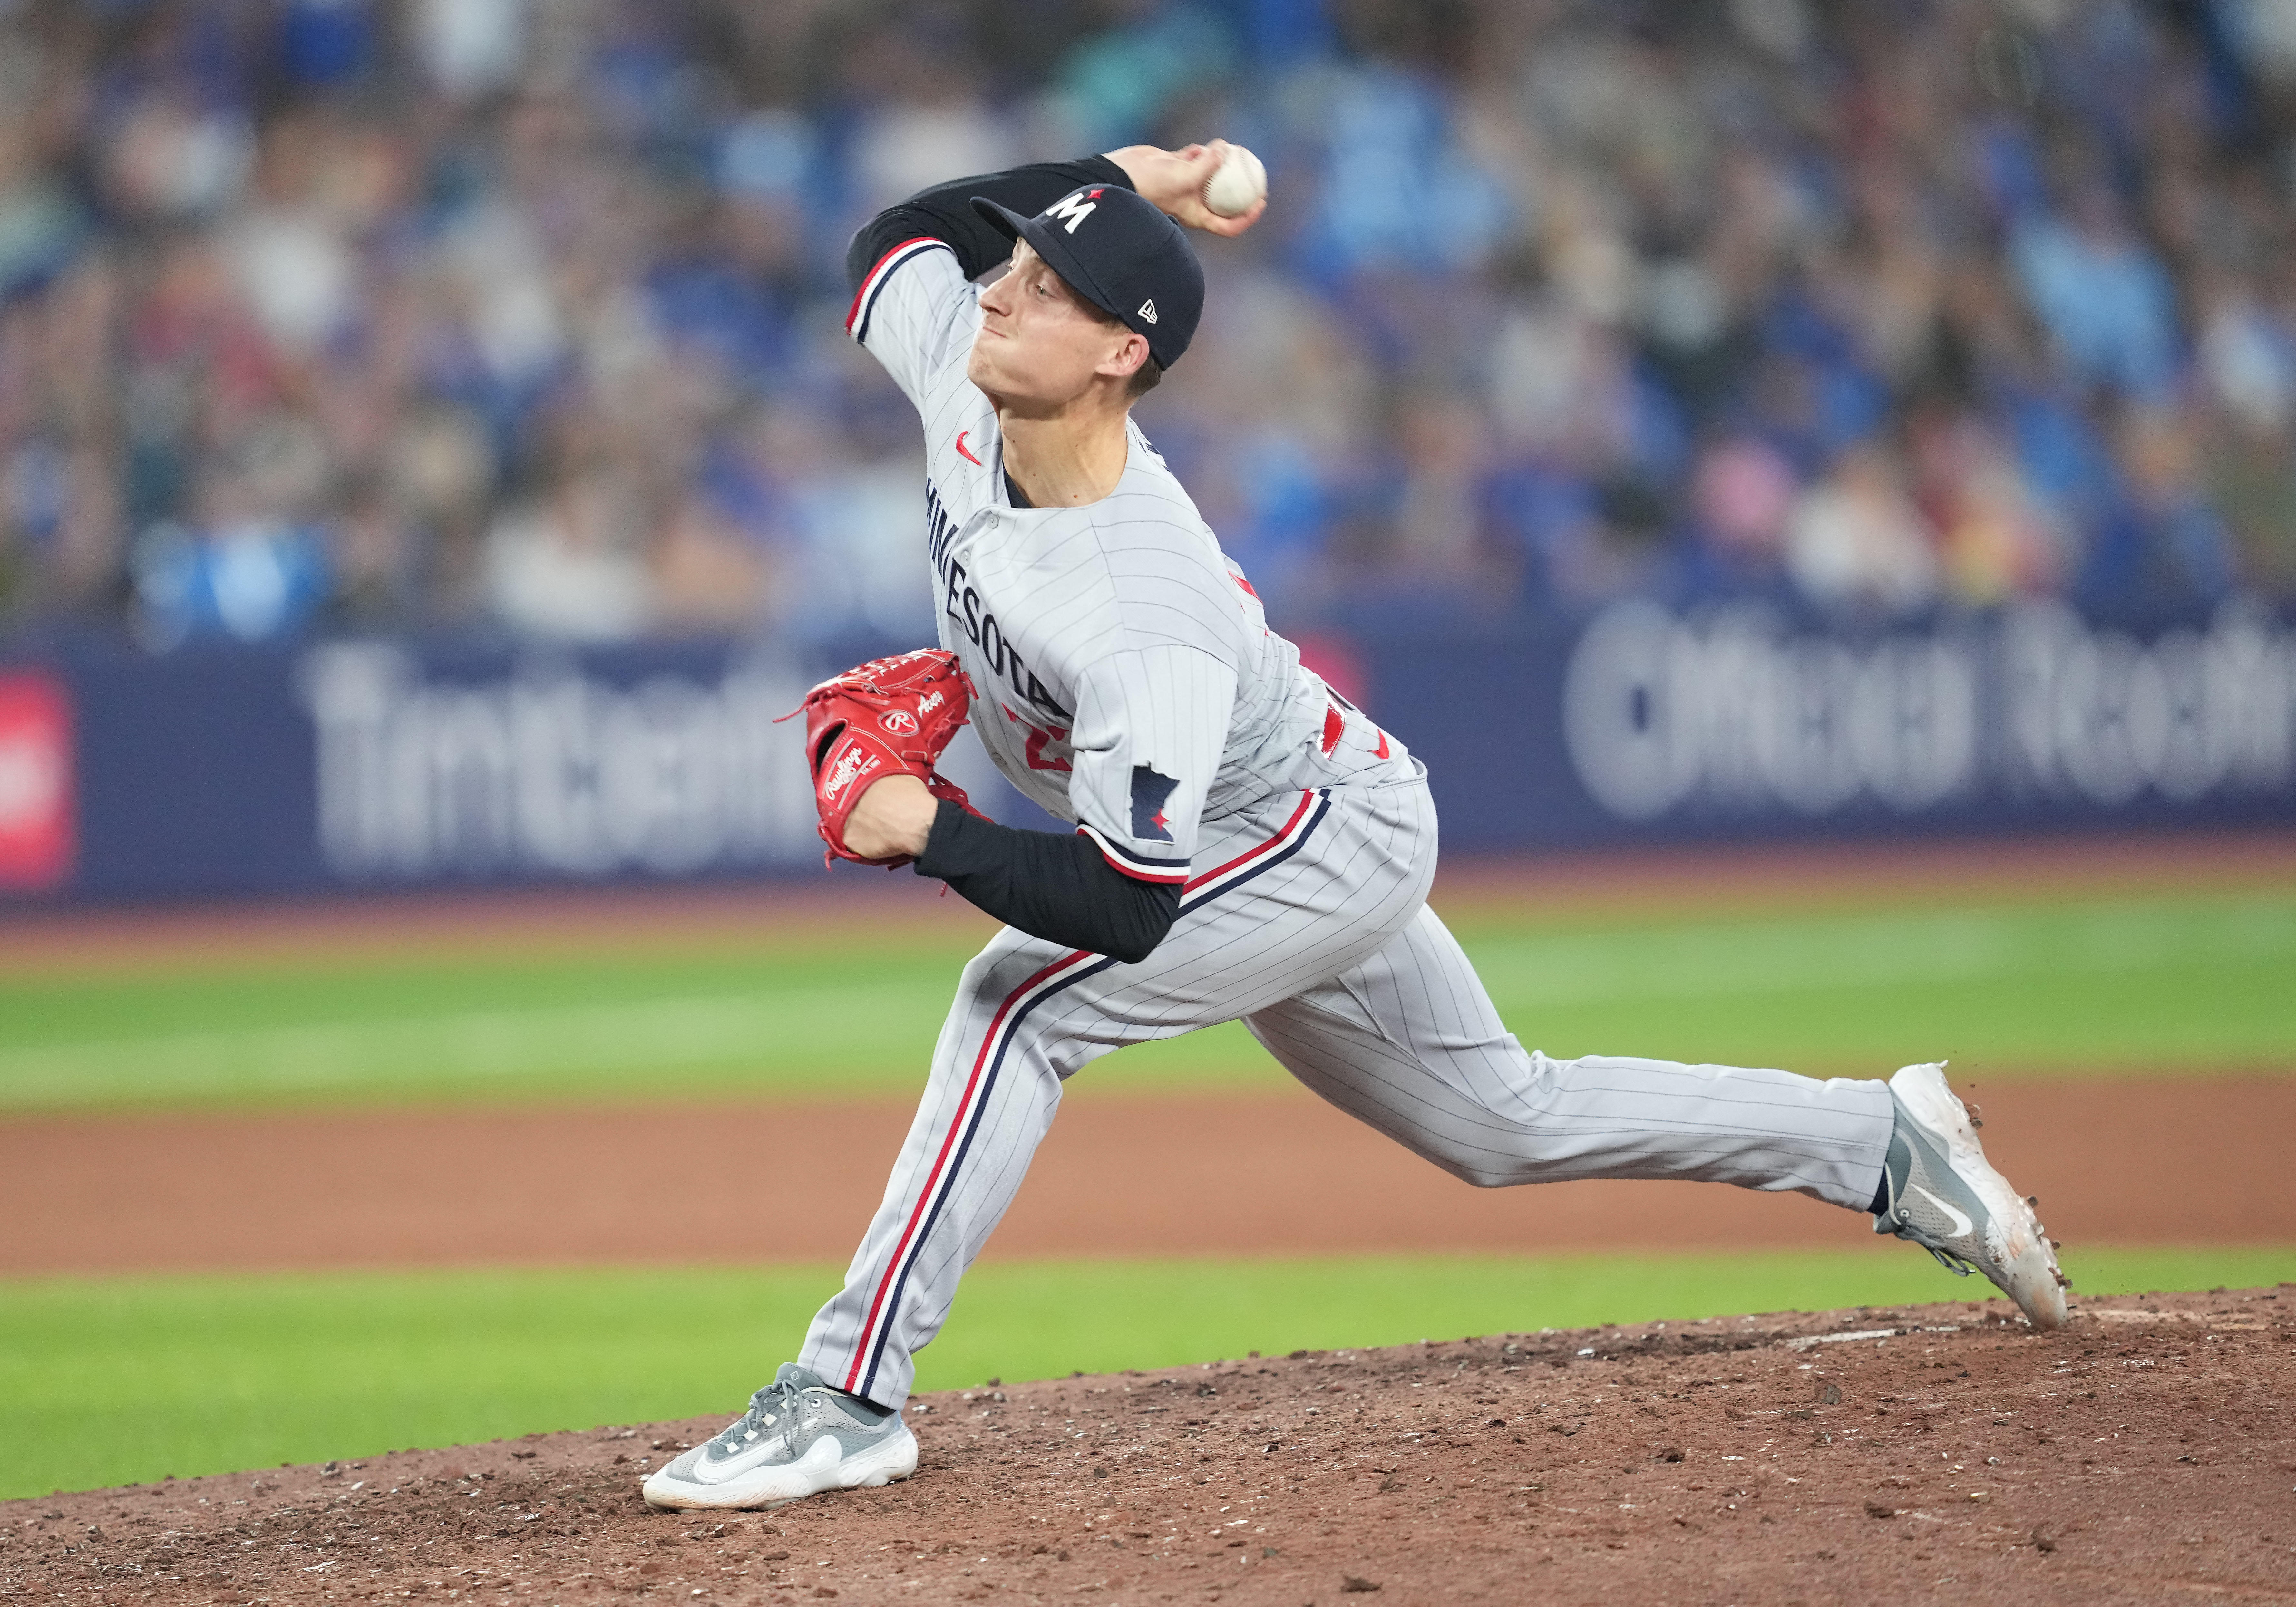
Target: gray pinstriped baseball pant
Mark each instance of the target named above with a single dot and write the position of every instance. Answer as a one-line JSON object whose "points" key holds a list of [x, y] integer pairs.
{"points": [[1316, 932]]}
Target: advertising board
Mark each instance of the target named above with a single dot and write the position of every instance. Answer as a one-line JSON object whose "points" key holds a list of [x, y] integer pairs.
{"points": [[386, 764]]}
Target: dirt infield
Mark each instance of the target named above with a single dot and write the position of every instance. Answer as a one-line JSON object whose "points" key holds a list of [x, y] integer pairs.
{"points": [[1937, 1454], [1124, 1174]]}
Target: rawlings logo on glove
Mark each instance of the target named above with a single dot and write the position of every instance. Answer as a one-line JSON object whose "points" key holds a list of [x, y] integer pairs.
{"points": [[889, 717], [851, 764]]}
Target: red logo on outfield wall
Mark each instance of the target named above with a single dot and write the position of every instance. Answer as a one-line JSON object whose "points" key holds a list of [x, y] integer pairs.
{"points": [[36, 782]]}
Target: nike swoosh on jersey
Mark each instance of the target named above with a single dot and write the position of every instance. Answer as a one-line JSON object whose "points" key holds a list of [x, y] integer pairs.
{"points": [[962, 452], [1962, 1226]]}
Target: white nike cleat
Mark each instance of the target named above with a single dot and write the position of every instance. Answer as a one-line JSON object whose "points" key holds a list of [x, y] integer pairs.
{"points": [[1945, 1198], [798, 1438]]}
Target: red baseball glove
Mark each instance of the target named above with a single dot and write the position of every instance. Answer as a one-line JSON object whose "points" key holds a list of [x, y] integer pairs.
{"points": [[889, 717]]}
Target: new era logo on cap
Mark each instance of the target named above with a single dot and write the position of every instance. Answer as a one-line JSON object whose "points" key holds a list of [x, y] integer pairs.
{"points": [[1148, 312]]}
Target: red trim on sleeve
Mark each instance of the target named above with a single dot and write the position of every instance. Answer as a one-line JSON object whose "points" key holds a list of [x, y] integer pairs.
{"points": [[869, 278], [1133, 868]]}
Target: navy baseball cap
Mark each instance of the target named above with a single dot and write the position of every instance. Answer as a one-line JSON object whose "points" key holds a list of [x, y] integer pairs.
{"points": [[1116, 250]]}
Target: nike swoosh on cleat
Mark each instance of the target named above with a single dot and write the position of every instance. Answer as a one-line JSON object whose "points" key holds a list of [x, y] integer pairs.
{"points": [[1962, 1226], [742, 1464]]}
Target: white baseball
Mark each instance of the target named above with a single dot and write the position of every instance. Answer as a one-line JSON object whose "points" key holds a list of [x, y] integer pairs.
{"points": [[1237, 186]]}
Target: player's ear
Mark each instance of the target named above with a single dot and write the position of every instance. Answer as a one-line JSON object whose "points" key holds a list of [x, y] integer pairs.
{"points": [[1129, 355]]}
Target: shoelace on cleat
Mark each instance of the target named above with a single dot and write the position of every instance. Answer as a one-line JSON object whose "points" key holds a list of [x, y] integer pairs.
{"points": [[772, 1408]]}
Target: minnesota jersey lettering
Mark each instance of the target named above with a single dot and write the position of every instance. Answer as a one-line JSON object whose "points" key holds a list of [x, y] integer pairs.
{"points": [[1001, 662]]}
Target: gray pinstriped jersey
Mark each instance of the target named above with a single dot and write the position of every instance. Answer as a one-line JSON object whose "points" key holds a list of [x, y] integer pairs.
{"points": [[1127, 678]]}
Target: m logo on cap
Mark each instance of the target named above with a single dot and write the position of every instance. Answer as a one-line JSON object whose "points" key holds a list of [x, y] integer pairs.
{"points": [[1074, 208]]}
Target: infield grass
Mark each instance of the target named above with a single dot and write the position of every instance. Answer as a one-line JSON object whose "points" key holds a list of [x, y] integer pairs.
{"points": [[2157, 983], [125, 1381]]}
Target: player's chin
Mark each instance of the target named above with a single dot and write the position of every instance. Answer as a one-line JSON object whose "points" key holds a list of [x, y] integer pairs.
{"points": [[1001, 385], [982, 368]]}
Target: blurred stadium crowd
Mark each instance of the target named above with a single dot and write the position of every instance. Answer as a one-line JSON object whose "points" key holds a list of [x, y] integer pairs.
{"points": [[525, 315]]}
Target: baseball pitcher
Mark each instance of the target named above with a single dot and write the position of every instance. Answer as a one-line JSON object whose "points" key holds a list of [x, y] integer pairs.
{"points": [[1248, 845]]}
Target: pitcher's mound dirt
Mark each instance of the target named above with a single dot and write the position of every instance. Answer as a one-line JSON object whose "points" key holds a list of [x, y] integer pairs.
{"points": [[1939, 1453]]}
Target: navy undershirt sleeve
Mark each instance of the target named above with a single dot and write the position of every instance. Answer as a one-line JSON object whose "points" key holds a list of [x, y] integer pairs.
{"points": [[1050, 885], [945, 213]]}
